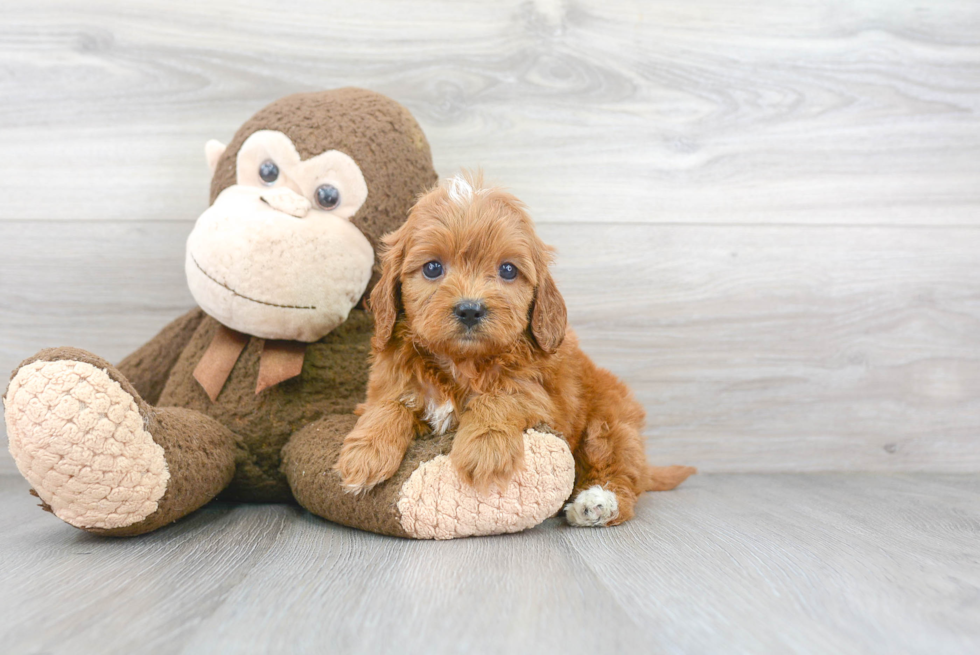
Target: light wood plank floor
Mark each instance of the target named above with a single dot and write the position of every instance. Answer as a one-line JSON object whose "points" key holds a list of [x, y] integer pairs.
{"points": [[802, 563]]}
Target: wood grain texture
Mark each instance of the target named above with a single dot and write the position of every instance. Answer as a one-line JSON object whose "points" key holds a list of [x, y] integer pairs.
{"points": [[753, 348], [767, 213], [855, 563], [767, 221], [701, 112]]}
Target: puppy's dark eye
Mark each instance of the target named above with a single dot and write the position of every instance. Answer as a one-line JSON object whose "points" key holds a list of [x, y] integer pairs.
{"points": [[432, 270], [327, 196], [508, 271], [268, 171]]}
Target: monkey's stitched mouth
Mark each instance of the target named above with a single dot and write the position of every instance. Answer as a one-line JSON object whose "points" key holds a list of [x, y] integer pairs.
{"points": [[242, 295]]}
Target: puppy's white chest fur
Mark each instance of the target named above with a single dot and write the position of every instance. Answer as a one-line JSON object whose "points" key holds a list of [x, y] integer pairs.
{"points": [[439, 417]]}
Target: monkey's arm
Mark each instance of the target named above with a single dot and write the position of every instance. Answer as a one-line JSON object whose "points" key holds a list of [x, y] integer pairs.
{"points": [[149, 366]]}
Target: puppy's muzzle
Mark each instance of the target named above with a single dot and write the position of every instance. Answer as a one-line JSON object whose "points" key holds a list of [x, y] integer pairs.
{"points": [[470, 312]]}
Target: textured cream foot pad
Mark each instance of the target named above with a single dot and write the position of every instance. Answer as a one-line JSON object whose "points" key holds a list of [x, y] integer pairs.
{"points": [[436, 504], [79, 440]]}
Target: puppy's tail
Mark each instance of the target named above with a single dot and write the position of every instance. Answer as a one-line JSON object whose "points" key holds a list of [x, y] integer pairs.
{"points": [[665, 478]]}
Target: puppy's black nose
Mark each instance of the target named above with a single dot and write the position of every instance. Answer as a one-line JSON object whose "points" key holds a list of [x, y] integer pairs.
{"points": [[470, 312]]}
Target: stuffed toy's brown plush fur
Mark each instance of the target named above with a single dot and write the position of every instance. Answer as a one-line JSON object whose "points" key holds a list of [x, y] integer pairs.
{"points": [[250, 395]]}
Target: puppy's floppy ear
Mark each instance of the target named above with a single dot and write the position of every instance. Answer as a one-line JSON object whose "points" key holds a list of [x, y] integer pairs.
{"points": [[385, 301], [549, 317]]}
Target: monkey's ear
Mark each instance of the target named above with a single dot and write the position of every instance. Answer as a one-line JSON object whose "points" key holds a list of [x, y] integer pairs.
{"points": [[549, 317], [213, 150], [384, 302]]}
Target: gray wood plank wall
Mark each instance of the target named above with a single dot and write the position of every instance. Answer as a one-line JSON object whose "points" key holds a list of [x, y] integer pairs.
{"points": [[767, 213]]}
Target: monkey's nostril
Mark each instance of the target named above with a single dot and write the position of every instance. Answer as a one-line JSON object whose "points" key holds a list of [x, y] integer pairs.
{"points": [[470, 312]]}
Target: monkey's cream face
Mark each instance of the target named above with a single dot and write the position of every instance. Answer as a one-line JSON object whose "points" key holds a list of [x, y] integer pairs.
{"points": [[276, 255]]}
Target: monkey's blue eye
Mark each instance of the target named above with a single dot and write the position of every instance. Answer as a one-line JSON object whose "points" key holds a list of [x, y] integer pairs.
{"points": [[508, 271], [432, 270], [327, 196], [268, 171]]}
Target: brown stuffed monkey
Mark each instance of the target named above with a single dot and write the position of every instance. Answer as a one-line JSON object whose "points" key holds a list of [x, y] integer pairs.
{"points": [[250, 395]]}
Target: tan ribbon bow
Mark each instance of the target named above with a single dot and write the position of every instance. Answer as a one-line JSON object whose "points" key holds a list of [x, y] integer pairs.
{"points": [[280, 361]]}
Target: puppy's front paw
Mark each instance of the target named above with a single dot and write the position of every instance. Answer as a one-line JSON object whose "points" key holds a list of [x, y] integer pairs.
{"points": [[365, 463], [489, 459], [592, 508]]}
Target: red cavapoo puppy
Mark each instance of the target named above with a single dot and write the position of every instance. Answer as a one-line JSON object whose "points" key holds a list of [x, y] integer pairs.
{"points": [[471, 336]]}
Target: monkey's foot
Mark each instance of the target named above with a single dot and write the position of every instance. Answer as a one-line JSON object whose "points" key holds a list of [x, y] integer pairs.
{"points": [[81, 442], [435, 503]]}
